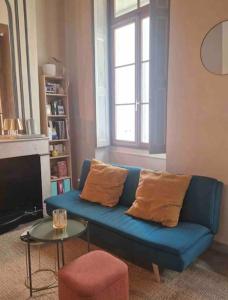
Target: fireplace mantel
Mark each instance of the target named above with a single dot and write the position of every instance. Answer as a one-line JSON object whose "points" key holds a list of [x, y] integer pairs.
{"points": [[30, 146]]}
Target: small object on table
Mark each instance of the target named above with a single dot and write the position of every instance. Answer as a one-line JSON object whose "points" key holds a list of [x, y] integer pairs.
{"points": [[59, 218], [95, 275]]}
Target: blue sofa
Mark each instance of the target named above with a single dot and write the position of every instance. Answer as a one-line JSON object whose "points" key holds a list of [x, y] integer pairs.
{"points": [[146, 243]]}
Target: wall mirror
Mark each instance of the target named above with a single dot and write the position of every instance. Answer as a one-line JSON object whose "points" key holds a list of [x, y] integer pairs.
{"points": [[214, 49], [19, 91], [8, 93]]}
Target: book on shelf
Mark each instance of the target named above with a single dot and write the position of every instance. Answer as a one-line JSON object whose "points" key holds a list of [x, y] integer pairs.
{"points": [[57, 130], [60, 187], [57, 108], [60, 108], [60, 129], [62, 168], [67, 129], [66, 185], [55, 113], [54, 189], [53, 88]]}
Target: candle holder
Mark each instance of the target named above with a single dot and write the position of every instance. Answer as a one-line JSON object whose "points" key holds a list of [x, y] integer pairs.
{"points": [[59, 219]]}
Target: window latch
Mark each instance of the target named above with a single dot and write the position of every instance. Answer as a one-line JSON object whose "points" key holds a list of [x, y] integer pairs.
{"points": [[136, 105]]}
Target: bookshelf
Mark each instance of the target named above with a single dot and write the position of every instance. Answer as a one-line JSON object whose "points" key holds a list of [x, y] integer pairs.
{"points": [[54, 106]]}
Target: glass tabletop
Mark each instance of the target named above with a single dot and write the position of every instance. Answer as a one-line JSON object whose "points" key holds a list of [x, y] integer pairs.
{"points": [[43, 230]]}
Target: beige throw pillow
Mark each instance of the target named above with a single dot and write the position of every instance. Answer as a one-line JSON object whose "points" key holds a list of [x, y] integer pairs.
{"points": [[159, 197], [104, 183]]}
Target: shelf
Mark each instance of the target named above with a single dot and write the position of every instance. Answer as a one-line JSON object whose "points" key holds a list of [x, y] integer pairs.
{"points": [[60, 156], [56, 95], [57, 116], [61, 178], [54, 77], [58, 141]]}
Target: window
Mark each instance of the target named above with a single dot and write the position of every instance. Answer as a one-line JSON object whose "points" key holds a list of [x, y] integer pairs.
{"points": [[122, 7], [130, 34], [132, 70]]}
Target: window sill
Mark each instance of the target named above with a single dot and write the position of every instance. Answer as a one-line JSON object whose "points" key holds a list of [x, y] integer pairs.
{"points": [[136, 152]]}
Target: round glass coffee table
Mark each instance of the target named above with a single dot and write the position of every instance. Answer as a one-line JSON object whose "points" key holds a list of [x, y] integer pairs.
{"points": [[43, 232]]}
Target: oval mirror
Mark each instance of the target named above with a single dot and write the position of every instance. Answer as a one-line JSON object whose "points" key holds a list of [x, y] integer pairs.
{"points": [[214, 49]]}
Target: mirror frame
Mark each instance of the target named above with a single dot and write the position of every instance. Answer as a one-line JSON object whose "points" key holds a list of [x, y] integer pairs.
{"points": [[201, 58]]}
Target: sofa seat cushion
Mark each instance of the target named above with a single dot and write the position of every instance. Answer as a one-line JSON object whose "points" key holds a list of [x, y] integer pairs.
{"points": [[175, 240]]}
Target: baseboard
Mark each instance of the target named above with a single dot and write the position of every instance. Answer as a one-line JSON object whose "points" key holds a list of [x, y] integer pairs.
{"points": [[217, 246]]}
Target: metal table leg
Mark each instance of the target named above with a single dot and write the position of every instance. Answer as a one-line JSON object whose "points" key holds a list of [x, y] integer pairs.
{"points": [[58, 259], [62, 253], [29, 266], [88, 237]]}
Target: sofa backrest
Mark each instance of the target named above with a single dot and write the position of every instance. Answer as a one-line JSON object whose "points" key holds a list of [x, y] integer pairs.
{"points": [[201, 204]]}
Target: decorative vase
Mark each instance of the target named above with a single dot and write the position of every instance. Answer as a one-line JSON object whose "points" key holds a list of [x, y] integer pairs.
{"points": [[49, 69]]}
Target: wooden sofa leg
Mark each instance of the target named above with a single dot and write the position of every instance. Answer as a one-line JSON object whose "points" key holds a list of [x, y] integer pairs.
{"points": [[156, 273]]}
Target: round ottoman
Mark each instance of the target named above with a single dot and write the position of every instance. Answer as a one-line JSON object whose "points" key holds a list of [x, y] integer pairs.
{"points": [[96, 275]]}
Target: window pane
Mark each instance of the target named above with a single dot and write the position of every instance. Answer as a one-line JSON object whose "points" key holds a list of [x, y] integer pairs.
{"points": [[125, 85], [145, 38], [145, 123], [125, 45], [124, 6], [125, 123], [144, 2], [145, 82]]}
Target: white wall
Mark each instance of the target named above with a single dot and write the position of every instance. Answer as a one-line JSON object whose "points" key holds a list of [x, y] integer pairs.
{"points": [[137, 157], [50, 24]]}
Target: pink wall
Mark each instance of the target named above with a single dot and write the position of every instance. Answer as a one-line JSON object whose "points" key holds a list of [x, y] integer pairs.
{"points": [[197, 137], [79, 57]]}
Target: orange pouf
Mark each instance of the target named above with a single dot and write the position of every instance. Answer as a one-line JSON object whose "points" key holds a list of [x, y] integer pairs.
{"points": [[94, 276]]}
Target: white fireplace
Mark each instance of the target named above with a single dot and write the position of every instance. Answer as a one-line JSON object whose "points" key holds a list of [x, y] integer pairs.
{"points": [[26, 147]]}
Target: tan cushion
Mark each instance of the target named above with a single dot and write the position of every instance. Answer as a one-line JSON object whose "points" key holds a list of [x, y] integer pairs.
{"points": [[104, 183], [159, 197]]}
